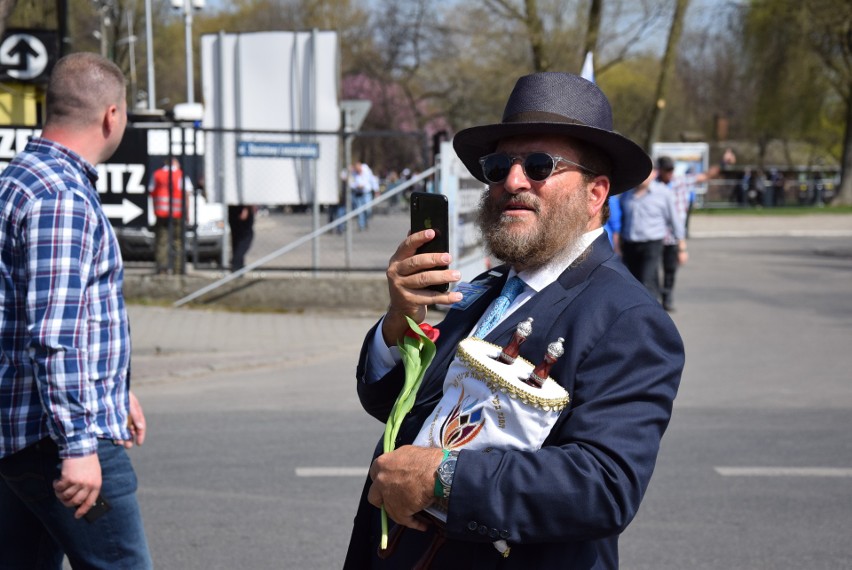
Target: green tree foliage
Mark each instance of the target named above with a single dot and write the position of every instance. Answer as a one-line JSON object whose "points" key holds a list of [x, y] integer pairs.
{"points": [[801, 62], [630, 88], [830, 37], [785, 74], [779, 72]]}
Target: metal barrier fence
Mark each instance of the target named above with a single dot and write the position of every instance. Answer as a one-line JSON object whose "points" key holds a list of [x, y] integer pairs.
{"points": [[288, 241], [803, 190]]}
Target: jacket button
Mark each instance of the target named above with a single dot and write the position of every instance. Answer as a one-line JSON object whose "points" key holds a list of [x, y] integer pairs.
{"points": [[483, 530], [472, 525], [504, 534], [493, 533]]}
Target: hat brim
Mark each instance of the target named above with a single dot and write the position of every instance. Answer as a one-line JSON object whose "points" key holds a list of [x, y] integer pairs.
{"points": [[630, 164]]}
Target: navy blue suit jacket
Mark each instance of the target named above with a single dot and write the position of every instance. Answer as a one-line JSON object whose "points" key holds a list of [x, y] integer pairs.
{"points": [[562, 506]]}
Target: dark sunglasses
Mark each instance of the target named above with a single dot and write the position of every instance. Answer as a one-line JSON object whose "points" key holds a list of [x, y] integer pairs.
{"points": [[538, 166]]}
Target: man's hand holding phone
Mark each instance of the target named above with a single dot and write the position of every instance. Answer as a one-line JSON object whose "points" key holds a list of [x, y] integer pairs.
{"points": [[410, 274], [432, 212]]}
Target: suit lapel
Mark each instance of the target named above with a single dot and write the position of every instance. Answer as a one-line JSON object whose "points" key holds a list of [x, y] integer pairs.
{"points": [[455, 328]]}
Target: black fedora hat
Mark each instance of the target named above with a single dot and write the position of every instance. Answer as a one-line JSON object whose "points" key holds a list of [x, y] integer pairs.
{"points": [[553, 103]]}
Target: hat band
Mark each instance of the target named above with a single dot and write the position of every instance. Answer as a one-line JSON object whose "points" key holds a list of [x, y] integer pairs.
{"points": [[541, 117]]}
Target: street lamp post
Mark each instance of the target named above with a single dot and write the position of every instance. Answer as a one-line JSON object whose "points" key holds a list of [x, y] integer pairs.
{"points": [[130, 40], [104, 8], [190, 79], [149, 46], [188, 6]]}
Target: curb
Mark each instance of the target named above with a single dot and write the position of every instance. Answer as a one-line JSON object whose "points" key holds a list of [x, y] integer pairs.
{"points": [[290, 292]]}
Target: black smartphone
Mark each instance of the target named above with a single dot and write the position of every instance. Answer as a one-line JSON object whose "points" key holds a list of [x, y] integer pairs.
{"points": [[100, 509], [432, 211]]}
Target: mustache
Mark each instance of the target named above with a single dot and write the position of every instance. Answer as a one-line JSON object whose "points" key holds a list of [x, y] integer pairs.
{"points": [[524, 199]]}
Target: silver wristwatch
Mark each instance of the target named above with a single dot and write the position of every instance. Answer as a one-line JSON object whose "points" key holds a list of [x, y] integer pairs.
{"points": [[446, 472]]}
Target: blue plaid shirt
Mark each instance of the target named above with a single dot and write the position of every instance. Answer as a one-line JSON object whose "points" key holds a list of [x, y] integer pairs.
{"points": [[64, 335]]}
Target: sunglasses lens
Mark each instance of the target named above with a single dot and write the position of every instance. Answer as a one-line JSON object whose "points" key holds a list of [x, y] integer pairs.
{"points": [[538, 166], [495, 168]]}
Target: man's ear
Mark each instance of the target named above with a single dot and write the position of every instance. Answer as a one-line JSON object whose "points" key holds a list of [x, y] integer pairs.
{"points": [[598, 192], [110, 120]]}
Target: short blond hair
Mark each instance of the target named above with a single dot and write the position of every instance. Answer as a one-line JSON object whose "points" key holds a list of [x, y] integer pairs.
{"points": [[82, 85]]}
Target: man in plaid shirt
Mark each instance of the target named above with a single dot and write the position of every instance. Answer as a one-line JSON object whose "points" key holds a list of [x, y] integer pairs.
{"points": [[66, 413]]}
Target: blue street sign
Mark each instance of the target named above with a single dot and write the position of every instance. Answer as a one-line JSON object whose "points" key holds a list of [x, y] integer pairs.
{"points": [[258, 149]]}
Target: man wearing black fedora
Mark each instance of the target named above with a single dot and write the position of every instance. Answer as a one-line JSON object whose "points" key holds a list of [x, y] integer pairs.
{"points": [[549, 166]]}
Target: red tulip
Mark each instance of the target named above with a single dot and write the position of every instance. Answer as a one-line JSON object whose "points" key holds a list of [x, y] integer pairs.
{"points": [[429, 332]]}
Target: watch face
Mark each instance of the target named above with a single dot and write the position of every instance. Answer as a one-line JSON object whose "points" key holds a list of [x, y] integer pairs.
{"points": [[446, 471]]}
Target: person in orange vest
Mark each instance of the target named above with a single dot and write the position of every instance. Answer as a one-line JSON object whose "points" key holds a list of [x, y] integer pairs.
{"points": [[166, 187]]}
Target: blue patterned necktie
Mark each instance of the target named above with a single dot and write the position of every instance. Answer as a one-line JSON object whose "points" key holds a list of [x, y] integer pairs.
{"points": [[511, 289]]}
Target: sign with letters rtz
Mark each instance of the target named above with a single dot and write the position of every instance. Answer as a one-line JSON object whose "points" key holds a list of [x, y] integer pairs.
{"points": [[27, 55], [121, 181]]}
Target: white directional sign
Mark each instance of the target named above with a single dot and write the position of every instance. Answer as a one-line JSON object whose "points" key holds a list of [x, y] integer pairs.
{"points": [[23, 56], [127, 211]]}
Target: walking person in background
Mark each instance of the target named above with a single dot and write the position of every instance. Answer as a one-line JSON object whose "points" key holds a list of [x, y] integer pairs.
{"points": [[167, 187], [675, 253], [648, 214], [338, 210], [362, 184], [67, 415], [241, 222], [674, 250], [776, 180]]}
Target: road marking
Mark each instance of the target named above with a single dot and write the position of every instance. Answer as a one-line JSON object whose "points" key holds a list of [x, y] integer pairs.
{"points": [[783, 471], [332, 471]]}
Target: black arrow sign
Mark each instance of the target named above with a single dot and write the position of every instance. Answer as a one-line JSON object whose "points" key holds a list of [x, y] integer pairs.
{"points": [[24, 51]]}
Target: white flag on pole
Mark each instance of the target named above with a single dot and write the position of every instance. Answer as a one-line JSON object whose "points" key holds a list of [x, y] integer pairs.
{"points": [[588, 68]]}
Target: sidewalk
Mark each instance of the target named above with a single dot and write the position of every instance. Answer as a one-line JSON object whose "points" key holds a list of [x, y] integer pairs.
{"points": [[273, 287], [170, 344], [746, 225]]}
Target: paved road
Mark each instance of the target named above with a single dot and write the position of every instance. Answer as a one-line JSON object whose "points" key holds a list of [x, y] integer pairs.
{"points": [[755, 471]]}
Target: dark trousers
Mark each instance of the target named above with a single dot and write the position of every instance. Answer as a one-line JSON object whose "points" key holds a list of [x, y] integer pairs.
{"points": [[168, 253], [242, 234], [642, 258], [670, 266]]}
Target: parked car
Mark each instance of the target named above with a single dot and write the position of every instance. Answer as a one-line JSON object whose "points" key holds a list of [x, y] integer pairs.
{"points": [[137, 243]]}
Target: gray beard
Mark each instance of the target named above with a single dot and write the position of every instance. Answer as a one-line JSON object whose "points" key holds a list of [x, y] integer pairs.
{"points": [[555, 234]]}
